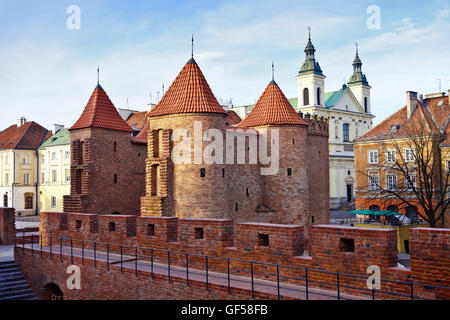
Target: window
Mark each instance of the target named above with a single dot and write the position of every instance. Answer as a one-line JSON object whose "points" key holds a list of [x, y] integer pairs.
{"points": [[28, 201], [115, 178], [151, 230], [112, 226], [409, 155], [263, 240], [374, 182], [115, 146], [318, 96], [42, 177], [373, 156], [289, 172], [390, 156], [346, 130], [223, 172], [67, 175], [53, 202], [248, 193], [43, 160], [413, 179], [54, 176], [199, 233], [6, 178], [54, 156], [202, 172], [67, 155], [391, 182], [366, 105], [236, 207], [26, 178], [78, 224], [347, 245], [5, 200], [305, 97]]}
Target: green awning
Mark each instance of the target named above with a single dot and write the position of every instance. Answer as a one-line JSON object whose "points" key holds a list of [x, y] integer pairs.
{"points": [[376, 213]]}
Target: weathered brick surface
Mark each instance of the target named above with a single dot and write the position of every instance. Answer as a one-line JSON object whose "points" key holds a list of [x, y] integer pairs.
{"points": [[238, 191], [282, 239], [94, 166], [430, 259], [7, 226]]}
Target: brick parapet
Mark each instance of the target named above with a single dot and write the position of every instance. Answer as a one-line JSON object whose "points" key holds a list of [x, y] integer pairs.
{"points": [[7, 226]]}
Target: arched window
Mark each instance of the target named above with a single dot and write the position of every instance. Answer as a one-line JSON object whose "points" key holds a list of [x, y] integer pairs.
{"points": [[346, 132], [115, 178], [155, 180], [412, 213], [29, 200], [115, 146], [305, 97], [318, 96], [366, 107]]}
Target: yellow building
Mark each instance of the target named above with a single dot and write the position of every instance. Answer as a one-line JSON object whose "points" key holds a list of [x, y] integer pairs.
{"points": [[54, 171], [19, 165]]}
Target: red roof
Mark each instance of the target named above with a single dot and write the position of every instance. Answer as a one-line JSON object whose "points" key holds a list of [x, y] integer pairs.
{"points": [[189, 93], [101, 113], [432, 114], [272, 108], [28, 136], [232, 118], [137, 120]]}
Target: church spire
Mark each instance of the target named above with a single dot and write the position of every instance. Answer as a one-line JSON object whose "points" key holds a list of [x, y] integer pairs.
{"points": [[358, 77], [310, 65]]}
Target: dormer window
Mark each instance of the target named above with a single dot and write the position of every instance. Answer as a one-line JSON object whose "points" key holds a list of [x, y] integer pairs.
{"points": [[394, 128]]}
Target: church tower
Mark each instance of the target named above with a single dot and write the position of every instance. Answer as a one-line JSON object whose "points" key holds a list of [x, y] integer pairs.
{"points": [[310, 80], [359, 85]]}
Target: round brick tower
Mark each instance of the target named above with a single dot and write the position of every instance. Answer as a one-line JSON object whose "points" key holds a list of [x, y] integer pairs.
{"points": [[191, 186], [286, 184]]}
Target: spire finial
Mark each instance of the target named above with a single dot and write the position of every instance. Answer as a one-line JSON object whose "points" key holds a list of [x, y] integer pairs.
{"points": [[98, 75], [273, 72], [356, 45], [309, 31], [192, 45]]}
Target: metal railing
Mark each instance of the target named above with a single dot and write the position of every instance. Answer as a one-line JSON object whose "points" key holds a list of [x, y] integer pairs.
{"points": [[309, 281]]}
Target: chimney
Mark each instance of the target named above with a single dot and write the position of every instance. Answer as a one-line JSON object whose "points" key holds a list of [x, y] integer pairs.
{"points": [[21, 122], [411, 103], [57, 127]]}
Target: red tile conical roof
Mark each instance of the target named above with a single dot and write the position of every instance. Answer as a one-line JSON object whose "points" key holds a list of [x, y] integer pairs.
{"points": [[101, 113], [272, 108], [189, 93]]}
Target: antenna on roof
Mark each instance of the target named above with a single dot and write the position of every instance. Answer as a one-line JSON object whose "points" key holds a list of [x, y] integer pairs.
{"points": [[163, 89]]}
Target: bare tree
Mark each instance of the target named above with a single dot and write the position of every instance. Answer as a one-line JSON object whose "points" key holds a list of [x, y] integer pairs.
{"points": [[413, 154]]}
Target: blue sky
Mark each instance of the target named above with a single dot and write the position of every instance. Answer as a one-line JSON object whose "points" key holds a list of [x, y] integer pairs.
{"points": [[47, 72]]}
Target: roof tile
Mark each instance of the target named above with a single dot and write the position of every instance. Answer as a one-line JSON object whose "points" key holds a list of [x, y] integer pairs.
{"points": [[189, 93], [101, 113], [272, 108]]}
